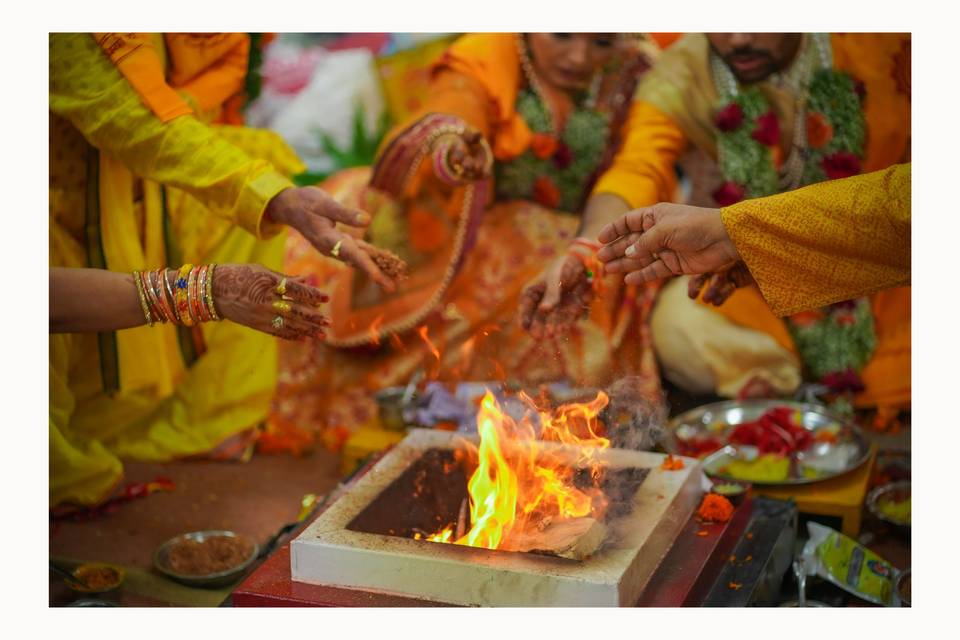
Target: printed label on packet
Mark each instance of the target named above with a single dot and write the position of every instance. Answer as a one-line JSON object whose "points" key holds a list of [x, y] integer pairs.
{"points": [[849, 565]]}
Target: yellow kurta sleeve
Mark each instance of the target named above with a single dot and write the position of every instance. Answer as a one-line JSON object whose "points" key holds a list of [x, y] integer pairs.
{"points": [[87, 90], [642, 172], [828, 242]]}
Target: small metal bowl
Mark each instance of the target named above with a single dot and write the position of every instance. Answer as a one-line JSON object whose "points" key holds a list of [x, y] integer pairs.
{"points": [[732, 491], [390, 406], [79, 572], [903, 588], [161, 560], [893, 490]]}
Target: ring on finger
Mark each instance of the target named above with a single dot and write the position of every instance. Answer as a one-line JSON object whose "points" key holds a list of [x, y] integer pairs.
{"points": [[335, 252], [277, 322], [282, 287], [281, 306]]}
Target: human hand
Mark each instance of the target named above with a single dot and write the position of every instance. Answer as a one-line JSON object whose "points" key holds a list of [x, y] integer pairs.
{"points": [[314, 213], [719, 286], [469, 156], [557, 298], [248, 294], [666, 240]]}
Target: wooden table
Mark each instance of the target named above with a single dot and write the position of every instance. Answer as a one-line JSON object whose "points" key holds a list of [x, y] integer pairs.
{"points": [[842, 497]]}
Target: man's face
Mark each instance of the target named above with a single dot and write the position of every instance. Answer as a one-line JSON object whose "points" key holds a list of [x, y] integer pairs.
{"points": [[754, 56]]}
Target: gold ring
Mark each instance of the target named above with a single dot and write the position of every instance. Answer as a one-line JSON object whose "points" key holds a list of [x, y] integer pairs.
{"points": [[335, 252], [281, 306], [277, 322], [282, 287]]}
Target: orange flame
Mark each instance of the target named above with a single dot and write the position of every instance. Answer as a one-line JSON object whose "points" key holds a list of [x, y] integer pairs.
{"points": [[519, 483], [375, 330], [426, 338]]}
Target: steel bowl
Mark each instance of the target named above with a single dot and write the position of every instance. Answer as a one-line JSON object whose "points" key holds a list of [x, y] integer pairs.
{"points": [[822, 461], [161, 560], [903, 588], [390, 406], [892, 490], [83, 568]]}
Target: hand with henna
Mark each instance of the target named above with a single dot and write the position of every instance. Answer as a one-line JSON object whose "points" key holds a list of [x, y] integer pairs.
{"points": [[314, 213], [247, 294], [470, 156], [670, 240], [560, 296], [719, 286]]}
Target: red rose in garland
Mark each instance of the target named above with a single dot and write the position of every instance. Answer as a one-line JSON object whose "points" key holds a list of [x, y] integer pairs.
{"points": [[543, 145], [729, 193], [841, 164], [563, 157], [545, 192], [843, 381], [729, 118], [767, 131]]}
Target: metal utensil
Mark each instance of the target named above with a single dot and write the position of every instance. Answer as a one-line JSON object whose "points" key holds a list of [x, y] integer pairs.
{"points": [[162, 563], [66, 575], [845, 451], [801, 575]]}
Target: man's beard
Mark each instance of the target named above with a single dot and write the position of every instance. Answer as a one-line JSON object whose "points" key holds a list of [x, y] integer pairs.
{"points": [[766, 64]]}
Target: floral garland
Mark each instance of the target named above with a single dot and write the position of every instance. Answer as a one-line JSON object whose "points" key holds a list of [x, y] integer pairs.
{"points": [[555, 169], [837, 341], [748, 144]]}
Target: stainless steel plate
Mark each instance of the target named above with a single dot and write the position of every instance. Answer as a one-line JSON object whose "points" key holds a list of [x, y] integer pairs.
{"points": [[162, 563], [822, 461]]}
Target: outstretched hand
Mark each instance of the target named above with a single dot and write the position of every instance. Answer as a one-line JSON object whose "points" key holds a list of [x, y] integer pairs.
{"points": [[470, 156], [556, 299], [666, 240], [314, 213]]}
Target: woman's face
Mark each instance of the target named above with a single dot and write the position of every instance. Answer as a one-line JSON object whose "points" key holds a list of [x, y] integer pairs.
{"points": [[568, 60]]}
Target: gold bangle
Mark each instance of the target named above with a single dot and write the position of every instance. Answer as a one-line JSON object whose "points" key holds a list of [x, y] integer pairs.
{"points": [[208, 295], [143, 298], [193, 294], [161, 296]]}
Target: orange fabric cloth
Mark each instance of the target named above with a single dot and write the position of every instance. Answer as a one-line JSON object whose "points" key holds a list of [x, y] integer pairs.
{"points": [[137, 58], [202, 70], [210, 67]]}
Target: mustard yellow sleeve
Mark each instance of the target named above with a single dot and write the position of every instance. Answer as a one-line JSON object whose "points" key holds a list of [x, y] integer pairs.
{"points": [[828, 242], [90, 92], [642, 172]]}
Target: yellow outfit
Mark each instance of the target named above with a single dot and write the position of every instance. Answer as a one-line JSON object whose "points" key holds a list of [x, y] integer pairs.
{"points": [[827, 242], [150, 393], [722, 348]]}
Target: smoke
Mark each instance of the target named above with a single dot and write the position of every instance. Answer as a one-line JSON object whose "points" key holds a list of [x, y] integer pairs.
{"points": [[634, 419]]}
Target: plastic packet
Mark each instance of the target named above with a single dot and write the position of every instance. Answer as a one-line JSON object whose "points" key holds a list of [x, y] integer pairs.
{"points": [[849, 565]]}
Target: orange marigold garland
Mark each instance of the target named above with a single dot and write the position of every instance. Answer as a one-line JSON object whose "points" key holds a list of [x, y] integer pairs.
{"points": [[715, 508]]}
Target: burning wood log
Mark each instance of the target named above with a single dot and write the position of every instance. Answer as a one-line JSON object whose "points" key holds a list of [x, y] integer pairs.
{"points": [[573, 538], [462, 520]]}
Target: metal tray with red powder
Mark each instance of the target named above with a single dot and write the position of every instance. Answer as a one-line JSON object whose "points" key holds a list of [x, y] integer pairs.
{"points": [[768, 442]]}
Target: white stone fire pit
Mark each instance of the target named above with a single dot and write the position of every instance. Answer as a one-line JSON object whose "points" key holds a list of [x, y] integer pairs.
{"points": [[328, 553]]}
